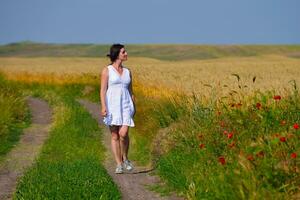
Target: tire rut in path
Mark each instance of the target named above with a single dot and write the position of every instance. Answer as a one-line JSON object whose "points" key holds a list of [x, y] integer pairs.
{"points": [[24, 153], [132, 185]]}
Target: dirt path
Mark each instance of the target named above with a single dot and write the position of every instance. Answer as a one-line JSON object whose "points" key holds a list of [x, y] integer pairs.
{"points": [[22, 156], [132, 185]]}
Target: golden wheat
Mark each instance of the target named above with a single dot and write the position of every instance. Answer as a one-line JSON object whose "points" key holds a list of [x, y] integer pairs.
{"points": [[198, 76]]}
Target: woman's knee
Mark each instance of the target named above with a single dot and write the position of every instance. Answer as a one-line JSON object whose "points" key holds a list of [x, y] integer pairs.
{"points": [[123, 135], [115, 136], [123, 131]]}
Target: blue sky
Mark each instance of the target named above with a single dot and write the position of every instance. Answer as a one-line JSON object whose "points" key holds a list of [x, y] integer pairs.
{"points": [[151, 21]]}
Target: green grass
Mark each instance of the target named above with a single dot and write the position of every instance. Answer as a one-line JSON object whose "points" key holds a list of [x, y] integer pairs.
{"points": [[152, 115], [258, 165], [14, 115], [158, 51], [77, 179], [69, 166]]}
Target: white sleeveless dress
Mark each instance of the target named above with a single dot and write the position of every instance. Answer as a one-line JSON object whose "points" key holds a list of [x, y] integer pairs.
{"points": [[120, 108]]}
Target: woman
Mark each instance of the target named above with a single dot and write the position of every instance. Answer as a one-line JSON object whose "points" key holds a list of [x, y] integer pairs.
{"points": [[117, 102]]}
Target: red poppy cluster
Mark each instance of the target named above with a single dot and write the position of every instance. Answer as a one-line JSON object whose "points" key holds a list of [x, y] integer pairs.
{"points": [[228, 134], [222, 160], [258, 106], [282, 139], [293, 155], [261, 153], [277, 97], [295, 126]]}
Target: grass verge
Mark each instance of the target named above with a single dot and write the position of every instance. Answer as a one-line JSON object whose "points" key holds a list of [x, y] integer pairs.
{"points": [[69, 166], [14, 115]]}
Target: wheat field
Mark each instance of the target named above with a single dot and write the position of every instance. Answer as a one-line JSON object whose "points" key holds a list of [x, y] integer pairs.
{"points": [[272, 72]]}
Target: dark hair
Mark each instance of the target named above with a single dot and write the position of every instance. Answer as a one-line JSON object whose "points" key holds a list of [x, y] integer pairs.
{"points": [[114, 52]]}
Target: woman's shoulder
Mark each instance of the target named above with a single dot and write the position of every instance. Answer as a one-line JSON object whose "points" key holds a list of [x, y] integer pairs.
{"points": [[105, 69], [126, 68]]}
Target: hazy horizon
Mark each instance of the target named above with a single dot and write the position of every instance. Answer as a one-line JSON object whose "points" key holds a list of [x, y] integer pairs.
{"points": [[191, 44]]}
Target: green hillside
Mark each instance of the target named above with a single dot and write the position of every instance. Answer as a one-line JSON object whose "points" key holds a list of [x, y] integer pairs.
{"points": [[158, 51]]}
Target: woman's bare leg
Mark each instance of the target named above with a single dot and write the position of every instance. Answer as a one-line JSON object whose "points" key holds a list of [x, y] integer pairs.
{"points": [[115, 144], [124, 142]]}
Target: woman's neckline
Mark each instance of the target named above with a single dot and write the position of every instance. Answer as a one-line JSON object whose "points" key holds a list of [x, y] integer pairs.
{"points": [[118, 71]]}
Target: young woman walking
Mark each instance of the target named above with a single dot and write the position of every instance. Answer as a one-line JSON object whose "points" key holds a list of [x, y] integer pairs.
{"points": [[117, 105]]}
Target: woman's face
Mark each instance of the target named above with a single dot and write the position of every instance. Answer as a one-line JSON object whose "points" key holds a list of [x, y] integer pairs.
{"points": [[123, 54]]}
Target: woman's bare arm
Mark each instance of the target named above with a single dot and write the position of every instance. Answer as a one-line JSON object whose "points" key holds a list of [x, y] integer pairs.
{"points": [[131, 93], [130, 89], [104, 83]]}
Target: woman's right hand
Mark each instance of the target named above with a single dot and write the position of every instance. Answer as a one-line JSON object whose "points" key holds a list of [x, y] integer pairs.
{"points": [[103, 112]]}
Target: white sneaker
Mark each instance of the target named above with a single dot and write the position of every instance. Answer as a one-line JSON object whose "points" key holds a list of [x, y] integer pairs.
{"points": [[119, 169], [128, 165]]}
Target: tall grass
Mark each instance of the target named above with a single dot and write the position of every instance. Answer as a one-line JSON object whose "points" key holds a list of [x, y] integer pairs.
{"points": [[236, 148], [154, 111], [14, 115]]}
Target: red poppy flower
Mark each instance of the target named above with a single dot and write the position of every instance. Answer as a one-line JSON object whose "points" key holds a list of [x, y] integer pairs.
{"points": [[222, 160], [293, 155], [296, 126], [282, 139], [230, 135], [225, 132], [250, 158], [201, 146], [258, 106], [277, 97]]}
